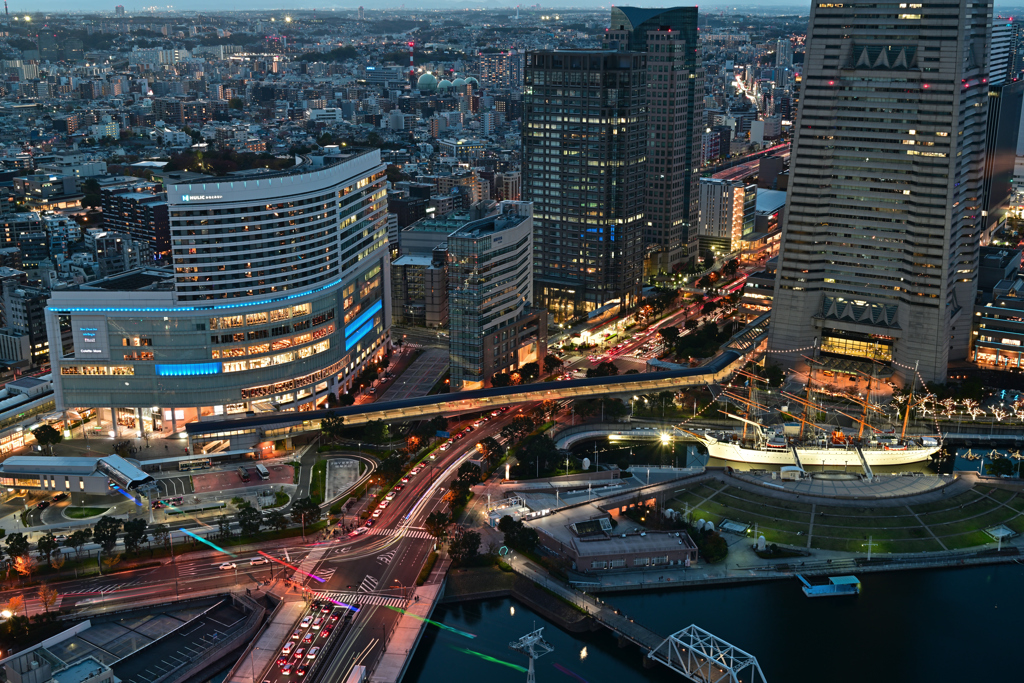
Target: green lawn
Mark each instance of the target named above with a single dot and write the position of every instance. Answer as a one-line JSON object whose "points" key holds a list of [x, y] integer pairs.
{"points": [[82, 513], [893, 529]]}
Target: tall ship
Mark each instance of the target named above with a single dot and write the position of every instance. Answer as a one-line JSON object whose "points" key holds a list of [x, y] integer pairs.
{"points": [[805, 439]]}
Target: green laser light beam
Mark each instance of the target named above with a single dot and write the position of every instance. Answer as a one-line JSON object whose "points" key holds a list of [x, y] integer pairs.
{"points": [[430, 621], [495, 660]]}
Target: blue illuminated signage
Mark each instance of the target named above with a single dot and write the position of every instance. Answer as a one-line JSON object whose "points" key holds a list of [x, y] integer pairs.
{"points": [[360, 322], [187, 369]]}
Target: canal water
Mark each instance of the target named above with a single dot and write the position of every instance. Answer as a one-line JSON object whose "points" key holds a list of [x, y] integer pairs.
{"points": [[949, 625]]}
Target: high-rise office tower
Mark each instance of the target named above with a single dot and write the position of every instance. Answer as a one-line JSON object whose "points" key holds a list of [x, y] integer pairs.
{"points": [[675, 109], [880, 243], [584, 148], [783, 53], [1005, 99]]}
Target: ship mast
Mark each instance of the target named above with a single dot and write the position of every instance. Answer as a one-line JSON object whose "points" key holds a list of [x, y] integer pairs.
{"points": [[910, 401]]}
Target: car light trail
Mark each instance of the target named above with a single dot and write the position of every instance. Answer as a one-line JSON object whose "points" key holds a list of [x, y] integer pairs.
{"points": [[127, 495]]}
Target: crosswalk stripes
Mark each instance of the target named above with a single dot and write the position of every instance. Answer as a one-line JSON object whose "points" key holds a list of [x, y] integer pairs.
{"points": [[408, 533], [368, 584], [387, 557], [89, 590], [326, 573], [365, 599]]}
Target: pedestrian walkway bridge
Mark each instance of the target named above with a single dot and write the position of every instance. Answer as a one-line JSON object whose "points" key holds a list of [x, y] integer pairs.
{"points": [[248, 430]]}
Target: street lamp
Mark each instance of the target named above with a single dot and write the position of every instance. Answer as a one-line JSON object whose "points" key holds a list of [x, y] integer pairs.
{"points": [[402, 586]]}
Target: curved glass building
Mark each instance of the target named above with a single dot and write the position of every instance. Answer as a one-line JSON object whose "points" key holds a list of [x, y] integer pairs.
{"points": [[278, 296]]}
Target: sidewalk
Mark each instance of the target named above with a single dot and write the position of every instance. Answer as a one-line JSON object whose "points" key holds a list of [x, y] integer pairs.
{"points": [[260, 654], [407, 633]]}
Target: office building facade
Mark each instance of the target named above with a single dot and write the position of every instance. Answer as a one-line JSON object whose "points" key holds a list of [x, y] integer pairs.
{"points": [[727, 212], [494, 327], [279, 295], [675, 112], [880, 242], [584, 151]]}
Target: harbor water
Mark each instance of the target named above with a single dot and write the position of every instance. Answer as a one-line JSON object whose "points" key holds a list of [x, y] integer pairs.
{"points": [[949, 625]]}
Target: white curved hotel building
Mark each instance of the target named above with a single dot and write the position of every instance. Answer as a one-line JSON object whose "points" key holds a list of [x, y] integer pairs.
{"points": [[279, 295]]}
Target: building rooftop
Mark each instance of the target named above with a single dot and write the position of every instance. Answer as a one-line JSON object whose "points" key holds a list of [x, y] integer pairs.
{"points": [[413, 261], [135, 280], [80, 672], [770, 200], [652, 541]]}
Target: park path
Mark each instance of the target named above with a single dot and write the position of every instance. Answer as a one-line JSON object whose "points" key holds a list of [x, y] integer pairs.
{"points": [[810, 529], [927, 528]]}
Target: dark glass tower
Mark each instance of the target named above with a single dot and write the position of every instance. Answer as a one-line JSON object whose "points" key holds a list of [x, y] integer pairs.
{"points": [[675, 110], [584, 149]]}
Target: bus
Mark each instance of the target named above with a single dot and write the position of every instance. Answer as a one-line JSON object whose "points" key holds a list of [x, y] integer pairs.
{"points": [[198, 464], [243, 473], [263, 472]]}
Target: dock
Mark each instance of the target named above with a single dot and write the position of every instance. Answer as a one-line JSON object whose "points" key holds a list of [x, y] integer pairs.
{"points": [[836, 586]]}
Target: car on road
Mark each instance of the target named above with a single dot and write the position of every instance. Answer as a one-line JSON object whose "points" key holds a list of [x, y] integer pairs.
{"points": [[383, 504], [282, 660], [288, 647], [358, 532], [372, 390], [368, 523], [326, 633], [313, 652], [228, 565], [333, 618], [300, 670], [59, 496], [287, 669], [259, 560], [60, 538], [296, 634], [495, 413], [405, 480], [318, 622], [43, 504], [308, 638], [377, 513], [306, 621], [445, 446], [390, 496], [398, 487], [298, 653]]}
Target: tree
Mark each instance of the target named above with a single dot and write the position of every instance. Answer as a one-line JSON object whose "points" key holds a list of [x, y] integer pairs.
{"points": [[345, 399], [691, 324], [999, 468], [134, 534], [160, 534], [469, 473], [501, 379], [605, 369], [391, 467], [490, 448], [552, 363], [517, 534], [48, 597], [437, 525], [235, 103], [376, 431], [76, 540], [332, 427], [223, 527], [518, 427], [775, 375], [57, 561], [249, 520], [17, 545], [537, 452], [46, 546], [305, 511], [15, 605], [47, 436], [669, 334], [529, 372], [277, 520], [25, 565], [112, 561], [464, 548], [104, 533]]}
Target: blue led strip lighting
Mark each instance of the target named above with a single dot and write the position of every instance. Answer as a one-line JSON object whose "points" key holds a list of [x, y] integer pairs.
{"points": [[198, 309], [361, 321], [357, 335], [187, 369]]}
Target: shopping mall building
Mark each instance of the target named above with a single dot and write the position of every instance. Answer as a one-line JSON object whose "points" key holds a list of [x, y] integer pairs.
{"points": [[279, 295]]}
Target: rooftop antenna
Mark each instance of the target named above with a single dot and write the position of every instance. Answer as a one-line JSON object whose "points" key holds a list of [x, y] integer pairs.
{"points": [[533, 646]]}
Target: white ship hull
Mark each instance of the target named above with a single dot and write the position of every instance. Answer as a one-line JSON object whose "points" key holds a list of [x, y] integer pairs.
{"points": [[811, 455]]}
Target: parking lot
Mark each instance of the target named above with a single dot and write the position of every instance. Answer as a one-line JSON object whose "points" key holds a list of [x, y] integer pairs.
{"points": [[226, 480]]}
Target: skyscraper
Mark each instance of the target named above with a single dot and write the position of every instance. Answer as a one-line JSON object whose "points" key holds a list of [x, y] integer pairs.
{"points": [[584, 148], [880, 243], [675, 109]]}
